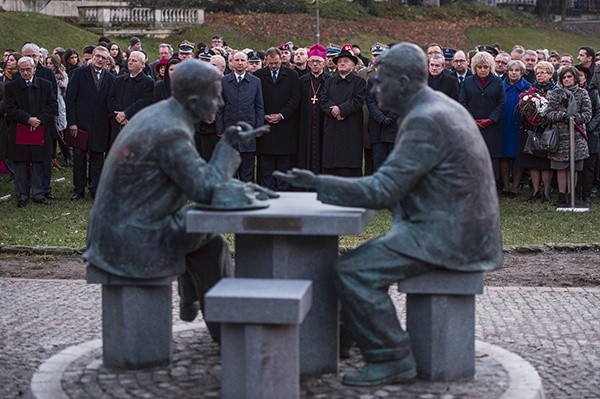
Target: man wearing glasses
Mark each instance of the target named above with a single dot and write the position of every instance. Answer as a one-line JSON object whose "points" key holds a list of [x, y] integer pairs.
{"points": [[501, 63], [87, 111], [460, 67]]}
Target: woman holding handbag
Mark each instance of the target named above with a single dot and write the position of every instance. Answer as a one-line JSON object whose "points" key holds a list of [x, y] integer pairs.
{"points": [[564, 103]]}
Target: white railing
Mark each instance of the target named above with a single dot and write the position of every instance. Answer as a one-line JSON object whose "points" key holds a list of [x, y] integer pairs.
{"points": [[107, 16]]}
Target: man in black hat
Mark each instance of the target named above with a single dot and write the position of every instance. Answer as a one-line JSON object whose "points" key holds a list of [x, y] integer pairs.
{"points": [[342, 100], [135, 44]]}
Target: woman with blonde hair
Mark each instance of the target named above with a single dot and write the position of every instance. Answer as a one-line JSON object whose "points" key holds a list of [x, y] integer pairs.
{"points": [[483, 96]]}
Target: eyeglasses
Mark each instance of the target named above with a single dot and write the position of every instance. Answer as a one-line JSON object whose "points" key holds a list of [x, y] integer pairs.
{"points": [[459, 61], [102, 57], [501, 62], [316, 61]]}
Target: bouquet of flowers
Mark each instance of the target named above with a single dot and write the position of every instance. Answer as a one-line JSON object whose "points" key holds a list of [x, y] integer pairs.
{"points": [[532, 105]]}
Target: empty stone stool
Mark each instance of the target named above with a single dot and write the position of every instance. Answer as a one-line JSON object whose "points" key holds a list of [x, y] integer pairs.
{"points": [[137, 321], [260, 334], [440, 318]]}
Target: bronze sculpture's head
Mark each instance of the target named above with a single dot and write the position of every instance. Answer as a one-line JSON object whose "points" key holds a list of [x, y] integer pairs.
{"points": [[401, 72], [197, 85]]}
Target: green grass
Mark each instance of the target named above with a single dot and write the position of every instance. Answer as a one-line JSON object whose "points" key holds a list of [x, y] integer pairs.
{"points": [[64, 223], [531, 38]]}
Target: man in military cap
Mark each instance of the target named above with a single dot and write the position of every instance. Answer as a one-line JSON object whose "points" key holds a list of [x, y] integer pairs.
{"points": [[254, 62], [186, 50], [286, 55], [330, 66]]}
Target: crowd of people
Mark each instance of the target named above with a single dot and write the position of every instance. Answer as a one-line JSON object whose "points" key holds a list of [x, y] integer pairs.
{"points": [[318, 101]]}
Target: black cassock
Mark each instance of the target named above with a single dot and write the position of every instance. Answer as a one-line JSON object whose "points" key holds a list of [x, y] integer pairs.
{"points": [[343, 140], [310, 133]]}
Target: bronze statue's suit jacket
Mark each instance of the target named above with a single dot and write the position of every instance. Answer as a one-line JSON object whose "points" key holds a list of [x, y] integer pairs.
{"points": [[137, 224], [439, 184]]}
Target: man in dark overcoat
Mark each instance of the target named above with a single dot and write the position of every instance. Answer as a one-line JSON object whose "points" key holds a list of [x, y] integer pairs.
{"points": [[342, 100], [33, 50], [382, 127], [29, 101], [439, 185], [310, 131], [242, 95], [440, 81], [281, 97], [87, 110], [130, 93]]}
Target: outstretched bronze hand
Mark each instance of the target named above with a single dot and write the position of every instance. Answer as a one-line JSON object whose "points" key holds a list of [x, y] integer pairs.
{"points": [[298, 177], [242, 132]]}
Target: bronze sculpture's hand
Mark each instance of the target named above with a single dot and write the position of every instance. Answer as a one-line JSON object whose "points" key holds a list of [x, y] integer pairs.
{"points": [[242, 132], [298, 178]]}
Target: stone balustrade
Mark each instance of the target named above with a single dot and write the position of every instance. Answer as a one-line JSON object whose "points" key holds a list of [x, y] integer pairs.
{"points": [[110, 16]]}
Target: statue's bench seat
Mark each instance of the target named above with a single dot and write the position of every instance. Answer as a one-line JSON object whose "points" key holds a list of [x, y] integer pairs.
{"points": [[440, 318], [137, 321], [260, 335]]}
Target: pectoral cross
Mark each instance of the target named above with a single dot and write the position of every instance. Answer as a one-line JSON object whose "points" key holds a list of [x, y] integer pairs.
{"points": [[314, 99]]}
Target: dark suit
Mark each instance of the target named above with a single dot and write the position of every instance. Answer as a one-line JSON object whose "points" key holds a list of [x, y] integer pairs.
{"points": [[461, 82], [242, 102], [445, 83], [21, 103], [87, 108], [275, 149], [382, 128], [444, 216], [130, 95]]}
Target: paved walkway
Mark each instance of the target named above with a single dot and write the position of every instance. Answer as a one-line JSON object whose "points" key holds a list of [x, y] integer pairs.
{"points": [[556, 330]]}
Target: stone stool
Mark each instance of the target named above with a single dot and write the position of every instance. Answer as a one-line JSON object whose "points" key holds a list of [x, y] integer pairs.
{"points": [[260, 334], [440, 319], [137, 321]]}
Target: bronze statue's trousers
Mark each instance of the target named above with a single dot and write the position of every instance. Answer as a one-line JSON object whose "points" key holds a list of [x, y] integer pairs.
{"points": [[362, 279], [205, 266]]}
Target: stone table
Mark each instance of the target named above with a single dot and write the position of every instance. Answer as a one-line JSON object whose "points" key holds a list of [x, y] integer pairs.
{"points": [[296, 237]]}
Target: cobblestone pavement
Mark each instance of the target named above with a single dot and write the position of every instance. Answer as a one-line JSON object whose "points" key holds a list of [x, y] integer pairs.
{"points": [[557, 330]]}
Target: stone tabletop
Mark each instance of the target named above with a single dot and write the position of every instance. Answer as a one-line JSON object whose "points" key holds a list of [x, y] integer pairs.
{"points": [[292, 213]]}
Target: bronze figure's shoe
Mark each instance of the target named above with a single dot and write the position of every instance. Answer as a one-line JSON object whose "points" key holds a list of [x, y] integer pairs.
{"points": [[392, 372], [21, 204], [188, 311]]}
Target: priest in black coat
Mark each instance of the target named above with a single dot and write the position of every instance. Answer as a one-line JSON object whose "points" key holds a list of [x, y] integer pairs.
{"points": [[342, 100], [310, 132]]}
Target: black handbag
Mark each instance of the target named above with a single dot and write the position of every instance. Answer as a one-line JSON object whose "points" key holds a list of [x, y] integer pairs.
{"points": [[549, 139], [540, 144]]}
